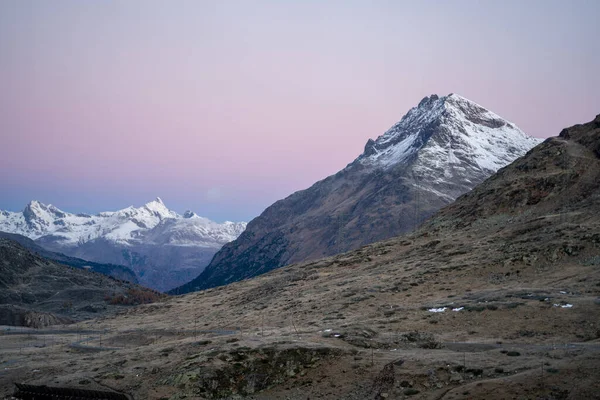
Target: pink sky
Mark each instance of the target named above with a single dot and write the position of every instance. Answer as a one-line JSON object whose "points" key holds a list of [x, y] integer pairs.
{"points": [[224, 107]]}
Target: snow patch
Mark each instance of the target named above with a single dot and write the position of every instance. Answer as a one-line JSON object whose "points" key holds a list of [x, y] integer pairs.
{"points": [[437, 310]]}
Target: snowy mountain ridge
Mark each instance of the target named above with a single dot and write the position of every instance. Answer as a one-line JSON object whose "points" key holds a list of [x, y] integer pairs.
{"points": [[127, 226], [439, 150], [469, 129], [445, 138]]}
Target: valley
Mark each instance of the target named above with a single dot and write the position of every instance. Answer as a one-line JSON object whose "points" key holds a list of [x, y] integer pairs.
{"points": [[385, 200], [496, 296]]}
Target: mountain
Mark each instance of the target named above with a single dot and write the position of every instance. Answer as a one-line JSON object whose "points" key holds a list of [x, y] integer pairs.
{"points": [[439, 150], [163, 248], [37, 292], [496, 296], [116, 271]]}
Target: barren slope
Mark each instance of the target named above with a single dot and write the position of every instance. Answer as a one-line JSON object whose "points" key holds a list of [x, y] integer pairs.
{"points": [[518, 258], [37, 292], [439, 150]]}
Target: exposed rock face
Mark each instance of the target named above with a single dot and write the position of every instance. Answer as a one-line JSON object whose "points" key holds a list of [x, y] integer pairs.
{"points": [[163, 248], [438, 151], [19, 316]]}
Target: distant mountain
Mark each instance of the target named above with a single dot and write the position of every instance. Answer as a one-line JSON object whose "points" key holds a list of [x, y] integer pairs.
{"points": [[439, 150], [116, 271], [163, 248], [37, 292]]}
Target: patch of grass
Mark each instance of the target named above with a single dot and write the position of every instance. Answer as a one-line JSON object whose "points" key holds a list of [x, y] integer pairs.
{"points": [[513, 354], [511, 306]]}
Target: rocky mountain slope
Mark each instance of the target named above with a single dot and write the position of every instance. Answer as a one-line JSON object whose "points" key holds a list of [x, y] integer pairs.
{"points": [[497, 296], [439, 150], [38, 292], [116, 271], [163, 248]]}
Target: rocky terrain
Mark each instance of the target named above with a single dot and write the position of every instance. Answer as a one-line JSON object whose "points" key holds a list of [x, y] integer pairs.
{"points": [[439, 150], [116, 271], [163, 248], [497, 296], [37, 292]]}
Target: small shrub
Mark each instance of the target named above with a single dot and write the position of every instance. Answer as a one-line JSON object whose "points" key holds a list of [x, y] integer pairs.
{"points": [[513, 354], [134, 296], [475, 371], [410, 392], [511, 306]]}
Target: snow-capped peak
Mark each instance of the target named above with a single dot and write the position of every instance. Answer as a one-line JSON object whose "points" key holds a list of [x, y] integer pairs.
{"points": [[157, 202], [190, 214], [39, 216], [124, 226], [445, 129], [160, 209]]}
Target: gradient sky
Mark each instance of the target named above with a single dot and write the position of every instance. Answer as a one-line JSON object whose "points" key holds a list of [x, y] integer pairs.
{"points": [[223, 107]]}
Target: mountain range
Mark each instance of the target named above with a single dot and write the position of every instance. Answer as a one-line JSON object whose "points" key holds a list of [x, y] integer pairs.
{"points": [[439, 150], [162, 247], [496, 296]]}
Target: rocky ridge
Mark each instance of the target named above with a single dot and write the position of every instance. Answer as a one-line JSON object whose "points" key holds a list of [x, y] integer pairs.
{"points": [[439, 150]]}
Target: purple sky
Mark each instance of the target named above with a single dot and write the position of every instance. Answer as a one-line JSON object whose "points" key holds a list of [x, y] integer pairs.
{"points": [[223, 107]]}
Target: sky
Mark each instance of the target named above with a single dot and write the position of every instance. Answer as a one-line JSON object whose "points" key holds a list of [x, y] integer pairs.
{"points": [[224, 107]]}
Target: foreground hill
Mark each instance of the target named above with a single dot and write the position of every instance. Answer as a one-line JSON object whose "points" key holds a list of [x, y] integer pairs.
{"points": [[116, 271], [439, 150], [497, 296], [37, 292], [163, 248]]}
